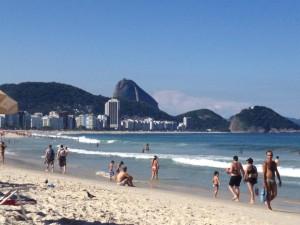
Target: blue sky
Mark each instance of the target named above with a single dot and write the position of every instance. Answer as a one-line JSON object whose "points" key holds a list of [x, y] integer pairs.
{"points": [[221, 55]]}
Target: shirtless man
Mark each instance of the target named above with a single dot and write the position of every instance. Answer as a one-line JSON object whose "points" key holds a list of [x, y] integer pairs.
{"points": [[236, 172], [2, 150], [269, 170], [124, 178]]}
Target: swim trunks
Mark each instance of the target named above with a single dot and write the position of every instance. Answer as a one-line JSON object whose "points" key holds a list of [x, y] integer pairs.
{"points": [[235, 181]]}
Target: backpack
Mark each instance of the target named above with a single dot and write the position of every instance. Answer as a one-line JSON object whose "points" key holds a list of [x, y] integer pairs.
{"points": [[252, 173]]}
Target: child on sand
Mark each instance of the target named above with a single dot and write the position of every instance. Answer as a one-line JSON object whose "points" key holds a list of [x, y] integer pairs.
{"points": [[216, 183], [111, 169]]}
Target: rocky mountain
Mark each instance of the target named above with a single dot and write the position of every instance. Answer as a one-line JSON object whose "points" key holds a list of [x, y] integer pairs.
{"points": [[204, 119], [260, 119], [44, 97], [296, 121], [128, 90]]}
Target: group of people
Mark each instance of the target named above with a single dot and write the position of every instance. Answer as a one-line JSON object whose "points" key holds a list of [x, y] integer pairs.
{"points": [[61, 156], [120, 175], [250, 176]]}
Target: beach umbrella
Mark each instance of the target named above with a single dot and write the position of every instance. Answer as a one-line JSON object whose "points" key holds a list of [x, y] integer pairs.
{"points": [[7, 104]]}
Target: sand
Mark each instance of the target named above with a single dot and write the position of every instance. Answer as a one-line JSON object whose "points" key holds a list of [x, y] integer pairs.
{"points": [[67, 203]]}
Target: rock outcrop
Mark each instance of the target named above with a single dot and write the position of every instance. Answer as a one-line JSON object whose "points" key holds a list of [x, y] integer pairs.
{"points": [[130, 91], [260, 119]]}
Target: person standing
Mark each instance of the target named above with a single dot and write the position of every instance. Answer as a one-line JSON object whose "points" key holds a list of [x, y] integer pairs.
{"points": [[277, 161], [49, 158], [236, 172], [269, 171], [111, 169], [216, 183], [251, 178], [154, 168], [2, 151], [62, 158]]}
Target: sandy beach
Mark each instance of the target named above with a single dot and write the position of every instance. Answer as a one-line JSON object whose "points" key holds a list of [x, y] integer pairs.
{"points": [[67, 203]]}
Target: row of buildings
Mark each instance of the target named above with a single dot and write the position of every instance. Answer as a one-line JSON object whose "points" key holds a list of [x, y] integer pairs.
{"points": [[109, 121]]}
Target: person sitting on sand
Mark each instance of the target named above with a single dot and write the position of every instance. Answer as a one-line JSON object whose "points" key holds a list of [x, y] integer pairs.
{"points": [[49, 158], [216, 183], [154, 168], [124, 178], [62, 158], [269, 171], [236, 172], [2, 151]]}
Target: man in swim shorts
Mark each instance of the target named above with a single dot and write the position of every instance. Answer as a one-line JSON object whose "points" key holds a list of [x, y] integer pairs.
{"points": [[269, 171], [111, 169], [236, 172]]}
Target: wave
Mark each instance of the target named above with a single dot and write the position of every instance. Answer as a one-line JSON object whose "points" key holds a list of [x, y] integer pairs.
{"points": [[198, 160], [81, 139]]}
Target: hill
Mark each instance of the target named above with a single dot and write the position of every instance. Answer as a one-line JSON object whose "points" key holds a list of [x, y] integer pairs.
{"points": [[204, 119], [44, 97], [260, 119], [128, 90]]}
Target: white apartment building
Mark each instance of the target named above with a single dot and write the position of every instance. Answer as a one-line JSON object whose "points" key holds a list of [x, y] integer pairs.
{"points": [[81, 121], [112, 109], [91, 122], [102, 121], [36, 121]]}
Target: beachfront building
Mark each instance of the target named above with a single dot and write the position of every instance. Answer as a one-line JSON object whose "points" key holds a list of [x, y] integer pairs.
{"points": [[81, 121], [148, 124], [70, 122], [91, 121], [12, 121], [52, 121], [112, 110], [36, 121], [102, 122], [2, 121], [187, 121]]}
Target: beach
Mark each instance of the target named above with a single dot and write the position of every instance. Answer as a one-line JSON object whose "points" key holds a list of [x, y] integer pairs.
{"points": [[67, 203]]}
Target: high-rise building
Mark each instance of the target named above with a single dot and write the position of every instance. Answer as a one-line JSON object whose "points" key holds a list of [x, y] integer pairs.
{"points": [[112, 109]]}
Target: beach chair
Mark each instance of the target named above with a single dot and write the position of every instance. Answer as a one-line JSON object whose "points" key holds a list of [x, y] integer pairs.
{"points": [[13, 198]]}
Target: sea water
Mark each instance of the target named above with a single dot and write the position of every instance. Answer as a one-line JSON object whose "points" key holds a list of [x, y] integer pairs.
{"points": [[186, 159]]}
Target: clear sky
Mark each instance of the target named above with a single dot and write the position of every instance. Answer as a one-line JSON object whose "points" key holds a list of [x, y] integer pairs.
{"points": [[221, 55]]}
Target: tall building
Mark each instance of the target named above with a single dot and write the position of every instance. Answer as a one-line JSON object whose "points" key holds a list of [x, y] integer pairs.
{"points": [[112, 109]]}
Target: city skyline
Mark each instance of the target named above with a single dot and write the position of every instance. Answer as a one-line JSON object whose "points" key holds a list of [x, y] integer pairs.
{"points": [[224, 56]]}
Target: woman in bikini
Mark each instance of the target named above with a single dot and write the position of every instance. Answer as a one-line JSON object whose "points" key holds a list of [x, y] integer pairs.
{"points": [[154, 168]]}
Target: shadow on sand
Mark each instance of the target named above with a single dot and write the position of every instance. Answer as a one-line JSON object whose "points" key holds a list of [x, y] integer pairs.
{"points": [[66, 221]]}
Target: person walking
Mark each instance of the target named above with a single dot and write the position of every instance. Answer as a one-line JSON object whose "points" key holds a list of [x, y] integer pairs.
{"points": [[49, 158], [251, 178], [269, 172], [62, 158], [236, 172]]}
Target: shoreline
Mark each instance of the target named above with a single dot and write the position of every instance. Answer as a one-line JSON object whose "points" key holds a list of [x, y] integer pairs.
{"points": [[125, 205], [280, 203]]}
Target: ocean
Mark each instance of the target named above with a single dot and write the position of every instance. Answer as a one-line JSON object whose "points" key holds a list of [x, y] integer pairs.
{"points": [[187, 160]]}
